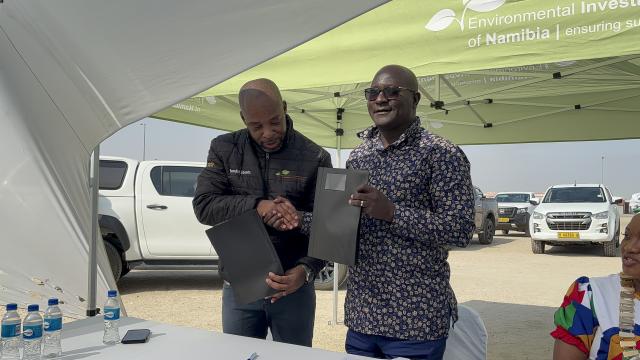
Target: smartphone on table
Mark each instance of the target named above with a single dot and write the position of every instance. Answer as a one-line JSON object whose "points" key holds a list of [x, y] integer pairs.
{"points": [[136, 336]]}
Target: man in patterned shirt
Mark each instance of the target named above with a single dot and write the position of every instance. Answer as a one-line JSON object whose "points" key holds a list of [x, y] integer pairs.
{"points": [[419, 201]]}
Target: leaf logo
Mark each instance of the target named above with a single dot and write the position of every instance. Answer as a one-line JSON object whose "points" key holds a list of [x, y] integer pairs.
{"points": [[445, 17], [441, 20]]}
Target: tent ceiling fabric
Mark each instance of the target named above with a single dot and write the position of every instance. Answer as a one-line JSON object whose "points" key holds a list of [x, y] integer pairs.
{"points": [[73, 72], [508, 105], [484, 48]]}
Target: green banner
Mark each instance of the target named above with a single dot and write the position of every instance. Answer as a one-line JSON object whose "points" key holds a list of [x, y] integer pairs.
{"points": [[510, 71], [449, 36]]}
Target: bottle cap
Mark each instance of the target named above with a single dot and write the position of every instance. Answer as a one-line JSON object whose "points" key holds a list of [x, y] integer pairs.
{"points": [[33, 307], [53, 301], [11, 307], [112, 293]]}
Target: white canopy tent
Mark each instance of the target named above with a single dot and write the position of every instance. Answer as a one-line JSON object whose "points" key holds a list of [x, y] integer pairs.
{"points": [[72, 72]]}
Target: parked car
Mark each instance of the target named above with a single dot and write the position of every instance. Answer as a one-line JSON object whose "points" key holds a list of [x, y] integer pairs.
{"points": [[576, 214], [485, 216], [514, 211], [634, 203], [146, 218]]}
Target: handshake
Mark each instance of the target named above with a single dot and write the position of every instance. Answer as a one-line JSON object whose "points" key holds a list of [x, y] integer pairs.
{"points": [[282, 215], [279, 213]]}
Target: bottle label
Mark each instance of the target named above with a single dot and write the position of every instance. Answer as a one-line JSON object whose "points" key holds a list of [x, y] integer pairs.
{"points": [[32, 331], [111, 313], [52, 324], [10, 330]]}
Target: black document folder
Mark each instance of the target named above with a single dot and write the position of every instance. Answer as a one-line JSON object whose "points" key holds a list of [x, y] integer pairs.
{"points": [[334, 229], [243, 245]]}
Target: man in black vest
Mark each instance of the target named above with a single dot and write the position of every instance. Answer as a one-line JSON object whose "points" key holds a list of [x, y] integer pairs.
{"points": [[272, 168]]}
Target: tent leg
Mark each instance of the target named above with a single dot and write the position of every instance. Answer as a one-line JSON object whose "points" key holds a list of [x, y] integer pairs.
{"points": [[93, 250], [336, 268], [336, 275]]}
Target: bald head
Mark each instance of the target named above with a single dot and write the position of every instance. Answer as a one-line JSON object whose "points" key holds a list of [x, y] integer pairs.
{"points": [[401, 75], [264, 113], [259, 90]]}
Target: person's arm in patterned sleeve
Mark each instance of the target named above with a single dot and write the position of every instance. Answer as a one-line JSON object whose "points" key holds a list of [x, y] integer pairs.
{"points": [[450, 222], [575, 322]]}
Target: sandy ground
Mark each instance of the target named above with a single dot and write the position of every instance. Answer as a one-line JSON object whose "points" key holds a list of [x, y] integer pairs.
{"points": [[515, 292]]}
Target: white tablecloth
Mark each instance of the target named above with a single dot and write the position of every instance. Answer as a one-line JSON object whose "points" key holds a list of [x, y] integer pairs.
{"points": [[82, 339]]}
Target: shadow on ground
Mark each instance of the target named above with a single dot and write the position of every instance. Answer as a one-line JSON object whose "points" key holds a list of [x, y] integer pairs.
{"points": [[475, 245], [576, 250], [166, 280], [516, 331]]}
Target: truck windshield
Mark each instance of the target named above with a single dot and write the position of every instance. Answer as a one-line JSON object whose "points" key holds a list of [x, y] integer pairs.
{"points": [[512, 198], [575, 195]]}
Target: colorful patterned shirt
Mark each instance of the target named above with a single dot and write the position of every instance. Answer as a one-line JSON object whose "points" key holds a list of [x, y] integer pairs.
{"points": [[589, 317], [400, 285]]}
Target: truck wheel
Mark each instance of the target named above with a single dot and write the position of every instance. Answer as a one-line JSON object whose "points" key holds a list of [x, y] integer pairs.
{"points": [[324, 279], [114, 260], [610, 248], [505, 232], [488, 230], [537, 246]]}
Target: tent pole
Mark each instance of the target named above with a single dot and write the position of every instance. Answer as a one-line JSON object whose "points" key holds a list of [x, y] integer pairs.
{"points": [[336, 266], [93, 255]]}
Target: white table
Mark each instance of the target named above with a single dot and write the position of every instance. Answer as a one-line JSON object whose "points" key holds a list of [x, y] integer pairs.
{"points": [[82, 339]]}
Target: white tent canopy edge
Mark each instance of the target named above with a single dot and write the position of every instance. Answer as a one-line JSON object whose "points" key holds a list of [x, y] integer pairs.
{"points": [[72, 72]]}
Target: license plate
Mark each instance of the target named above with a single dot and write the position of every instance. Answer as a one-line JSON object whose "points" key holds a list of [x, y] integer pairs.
{"points": [[568, 235], [503, 220]]}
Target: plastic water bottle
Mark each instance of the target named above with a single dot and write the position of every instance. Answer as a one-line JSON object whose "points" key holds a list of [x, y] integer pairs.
{"points": [[11, 340], [32, 334], [51, 347], [111, 319]]}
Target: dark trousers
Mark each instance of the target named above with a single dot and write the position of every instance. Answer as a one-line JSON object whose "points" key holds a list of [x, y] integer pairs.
{"points": [[290, 319], [383, 347]]}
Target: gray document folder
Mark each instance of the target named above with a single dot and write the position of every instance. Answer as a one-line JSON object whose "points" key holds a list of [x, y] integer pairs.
{"points": [[334, 229], [248, 255]]}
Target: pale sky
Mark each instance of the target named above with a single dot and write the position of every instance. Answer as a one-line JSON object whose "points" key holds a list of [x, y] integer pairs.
{"points": [[494, 168]]}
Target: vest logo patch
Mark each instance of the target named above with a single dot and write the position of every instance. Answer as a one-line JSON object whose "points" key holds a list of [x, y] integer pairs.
{"points": [[287, 175]]}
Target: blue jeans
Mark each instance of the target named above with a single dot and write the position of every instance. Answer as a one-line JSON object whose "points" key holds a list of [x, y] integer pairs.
{"points": [[290, 319], [383, 347]]}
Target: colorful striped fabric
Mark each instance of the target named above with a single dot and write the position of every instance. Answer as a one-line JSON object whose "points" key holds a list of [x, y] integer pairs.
{"points": [[591, 323]]}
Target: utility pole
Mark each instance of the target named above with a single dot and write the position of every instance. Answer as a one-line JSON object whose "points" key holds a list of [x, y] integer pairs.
{"points": [[602, 171], [144, 141]]}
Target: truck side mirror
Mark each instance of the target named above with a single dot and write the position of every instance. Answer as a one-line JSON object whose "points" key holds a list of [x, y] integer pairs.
{"points": [[534, 202], [618, 201]]}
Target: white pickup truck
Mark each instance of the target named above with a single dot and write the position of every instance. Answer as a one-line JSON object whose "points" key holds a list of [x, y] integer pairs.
{"points": [[576, 214], [146, 218]]}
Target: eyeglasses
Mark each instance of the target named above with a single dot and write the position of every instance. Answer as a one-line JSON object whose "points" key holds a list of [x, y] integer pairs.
{"points": [[389, 92]]}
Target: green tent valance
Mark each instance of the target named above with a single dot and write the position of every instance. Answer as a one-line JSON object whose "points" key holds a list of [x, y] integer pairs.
{"points": [[474, 61]]}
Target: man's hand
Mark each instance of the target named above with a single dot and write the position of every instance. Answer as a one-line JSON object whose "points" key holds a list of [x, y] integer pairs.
{"points": [[373, 203], [287, 284], [278, 213]]}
